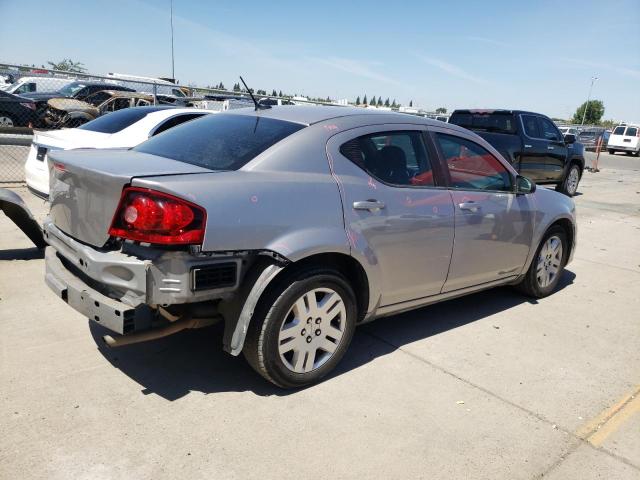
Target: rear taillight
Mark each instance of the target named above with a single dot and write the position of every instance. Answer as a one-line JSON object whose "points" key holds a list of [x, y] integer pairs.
{"points": [[154, 217]]}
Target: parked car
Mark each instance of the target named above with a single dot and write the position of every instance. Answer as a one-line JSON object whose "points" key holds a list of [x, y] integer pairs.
{"points": [[37, 84], [71, 113], [275, 101], [625, 138], [16, 111], [531, 143], [292, 226], [592, 137], [571, 130], [79, 90], [124, 128]]}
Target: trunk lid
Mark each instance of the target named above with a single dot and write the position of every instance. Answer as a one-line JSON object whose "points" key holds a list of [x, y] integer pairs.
{"points": [[86, 185]]}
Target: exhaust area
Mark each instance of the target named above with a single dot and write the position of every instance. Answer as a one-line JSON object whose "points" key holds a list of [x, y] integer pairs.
{"points": [[175, 327]]}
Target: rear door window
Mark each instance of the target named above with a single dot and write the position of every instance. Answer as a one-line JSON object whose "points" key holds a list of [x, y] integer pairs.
{"points": [[396, 158], [619, 131], [631, 132], [220, 141]]}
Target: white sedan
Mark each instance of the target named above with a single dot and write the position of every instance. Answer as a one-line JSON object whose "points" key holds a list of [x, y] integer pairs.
{"points": [[124, 128]]}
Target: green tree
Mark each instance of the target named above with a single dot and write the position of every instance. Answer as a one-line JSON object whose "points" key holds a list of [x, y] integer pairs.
{"points": [[441, 110], [411, 103], [274, 93], [386, 103], [236, 87], [280, 94], [379, 101], [373, 101], [358, 100], [68, 65], [364, 100], [594, 114], [394, 104]]}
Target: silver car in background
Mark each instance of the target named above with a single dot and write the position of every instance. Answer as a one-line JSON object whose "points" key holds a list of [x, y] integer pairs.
{"points": [[292, 225]]}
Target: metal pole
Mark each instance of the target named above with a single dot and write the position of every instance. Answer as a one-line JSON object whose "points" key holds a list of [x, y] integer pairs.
{"points": [[173, 73], [586, 107]]}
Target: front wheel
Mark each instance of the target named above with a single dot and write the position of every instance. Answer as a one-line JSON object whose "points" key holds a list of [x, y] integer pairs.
{"points": [[302, 329], [547, 266], [569, 185], [611, 152]]}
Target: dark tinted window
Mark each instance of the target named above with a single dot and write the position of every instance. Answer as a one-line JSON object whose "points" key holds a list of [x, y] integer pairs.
{"points": [[549, 130], [116, 121], [631, 132], [530, 124], [471, 167], [619, 131], [175, 121], [220, 141], [490, 122], [398, 158]]}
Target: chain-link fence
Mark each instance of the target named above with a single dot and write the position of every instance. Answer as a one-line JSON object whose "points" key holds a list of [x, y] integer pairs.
{"points": [[41, 99]]}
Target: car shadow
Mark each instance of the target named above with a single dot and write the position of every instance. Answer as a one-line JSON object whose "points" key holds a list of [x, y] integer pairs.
{"points": [[193, 360]]}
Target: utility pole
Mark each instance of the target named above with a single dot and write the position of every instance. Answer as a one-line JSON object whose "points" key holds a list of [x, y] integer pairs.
{"points": [[586, 107], [173, 72]]}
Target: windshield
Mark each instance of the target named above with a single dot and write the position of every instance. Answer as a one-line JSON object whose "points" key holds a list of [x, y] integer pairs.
{"points": [[219, 142], [490, 122], [69, 90]]}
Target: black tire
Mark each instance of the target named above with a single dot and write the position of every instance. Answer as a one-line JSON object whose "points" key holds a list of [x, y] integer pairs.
{"points": [[568, 187], [529, 285], [636, 154], [628, 153], [611, 152], [8, 120], [261, 347]]}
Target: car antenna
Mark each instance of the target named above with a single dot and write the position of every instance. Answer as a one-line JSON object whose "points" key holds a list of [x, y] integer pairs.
{"points": [[255, 102]]}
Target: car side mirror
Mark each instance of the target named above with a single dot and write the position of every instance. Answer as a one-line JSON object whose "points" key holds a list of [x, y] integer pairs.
{"points": [[569, 138], [524, 185]]}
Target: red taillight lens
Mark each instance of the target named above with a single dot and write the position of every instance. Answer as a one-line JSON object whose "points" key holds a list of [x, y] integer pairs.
{"points": [[154, 217]]}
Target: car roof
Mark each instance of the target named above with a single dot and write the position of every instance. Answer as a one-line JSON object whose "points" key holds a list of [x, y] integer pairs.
{"points": [[495, 110], [309, 115]]}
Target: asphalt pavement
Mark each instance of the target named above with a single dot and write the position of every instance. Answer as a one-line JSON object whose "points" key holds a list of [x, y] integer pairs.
{"points": [[490, 386]]}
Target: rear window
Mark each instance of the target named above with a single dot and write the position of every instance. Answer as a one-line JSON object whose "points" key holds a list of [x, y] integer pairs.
{"points": [[219, 142], [116, 121], [490, 122], [619, 131], [631, 132]]}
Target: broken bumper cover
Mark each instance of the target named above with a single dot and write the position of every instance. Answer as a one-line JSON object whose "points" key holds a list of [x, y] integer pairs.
{"points": [[146, 276], [110, 313]]}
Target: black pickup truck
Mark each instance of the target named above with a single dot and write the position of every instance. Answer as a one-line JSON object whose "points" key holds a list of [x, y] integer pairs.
{"points": [[531, 142]]}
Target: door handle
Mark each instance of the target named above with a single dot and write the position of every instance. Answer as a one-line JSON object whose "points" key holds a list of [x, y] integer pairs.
{"points": [[472, 207], [550, 147], [371, 205], [527, 146]]}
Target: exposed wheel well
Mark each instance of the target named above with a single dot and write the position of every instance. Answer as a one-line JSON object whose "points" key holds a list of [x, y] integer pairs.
{"points": [[347, 266], [579, 162], [568, 228]]}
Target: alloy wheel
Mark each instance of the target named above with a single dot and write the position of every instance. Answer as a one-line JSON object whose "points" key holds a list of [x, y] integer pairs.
{"points": [[6, 121], [312, 330], [549, 261], [572, 181]]}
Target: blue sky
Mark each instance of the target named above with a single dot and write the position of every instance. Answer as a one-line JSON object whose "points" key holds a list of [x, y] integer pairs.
{"points": [[536, 55]]}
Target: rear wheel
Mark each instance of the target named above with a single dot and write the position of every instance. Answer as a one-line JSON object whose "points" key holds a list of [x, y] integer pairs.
{"points": [[611, 152], [302, 328], [547, 266], [6, 120], [569, 185]]}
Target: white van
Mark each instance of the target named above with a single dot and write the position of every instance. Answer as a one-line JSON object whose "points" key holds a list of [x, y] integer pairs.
{"points": [[625, 138], [37, 84]]}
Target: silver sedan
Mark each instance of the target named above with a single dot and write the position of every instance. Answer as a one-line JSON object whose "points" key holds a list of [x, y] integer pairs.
{"points": [[292, 225]]}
